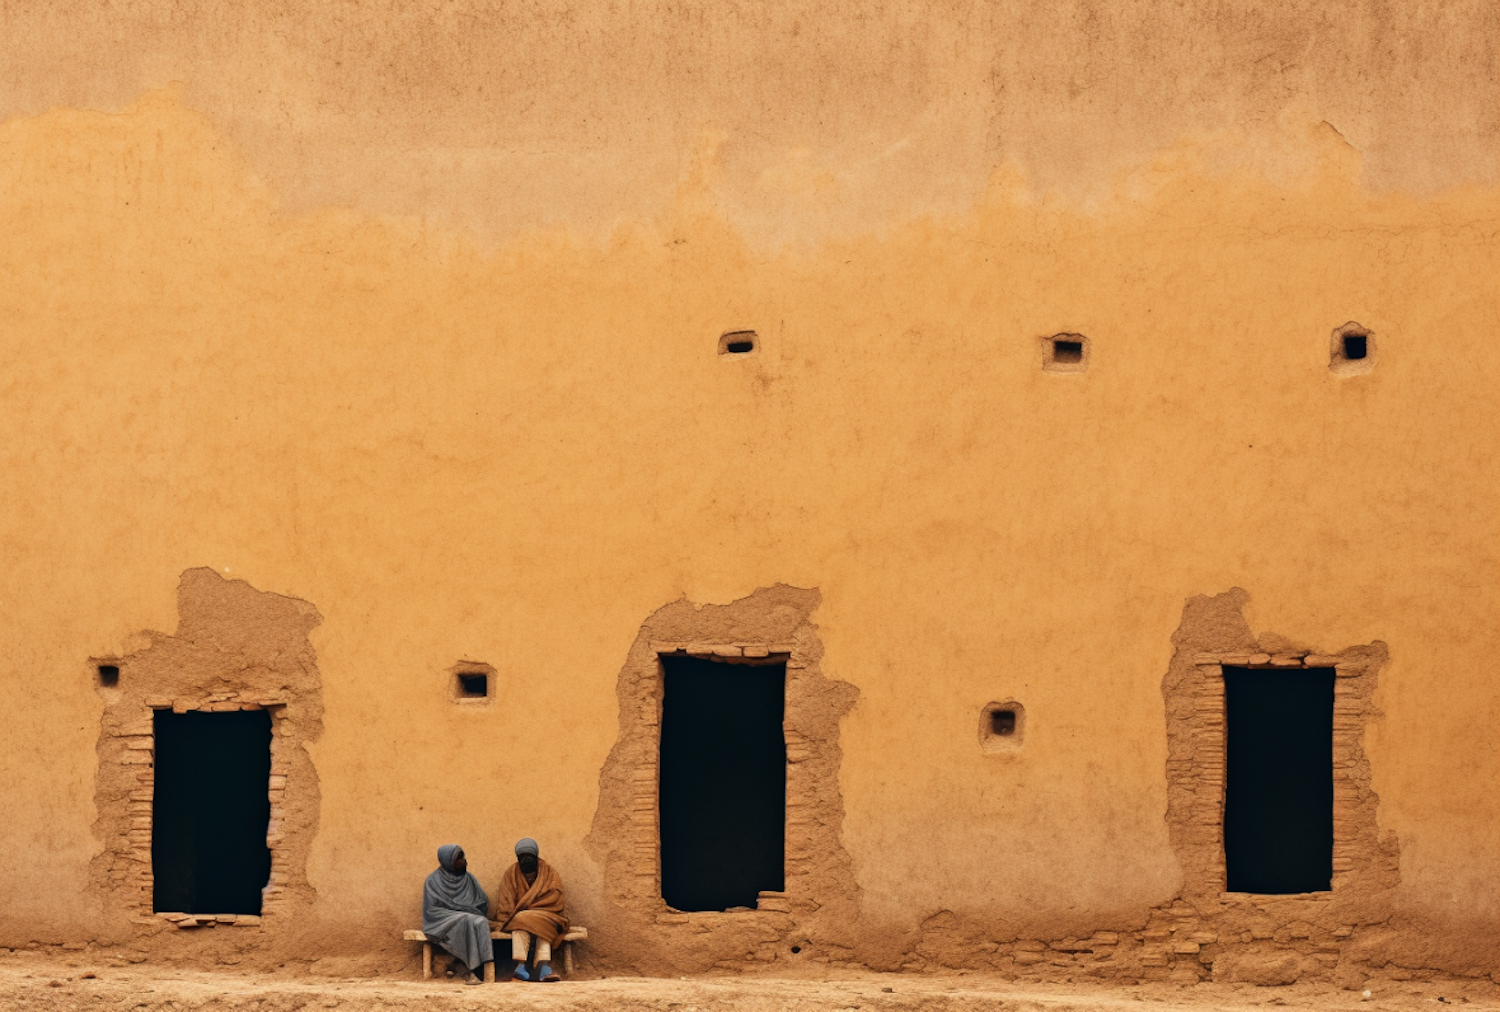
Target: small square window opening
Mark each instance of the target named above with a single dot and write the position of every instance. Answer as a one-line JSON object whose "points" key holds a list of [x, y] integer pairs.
{"points": [[1002, 726], [738, 342], [1065, 353], [471, 682], [1352, 350], [109, 674]]}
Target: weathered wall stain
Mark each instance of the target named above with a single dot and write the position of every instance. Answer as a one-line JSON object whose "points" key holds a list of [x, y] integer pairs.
{"points": [[834, 119]]}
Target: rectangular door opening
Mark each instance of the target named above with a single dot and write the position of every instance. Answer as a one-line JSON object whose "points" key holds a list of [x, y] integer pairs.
{"points": [[1278, 800], [210, 811], [722, 784]]}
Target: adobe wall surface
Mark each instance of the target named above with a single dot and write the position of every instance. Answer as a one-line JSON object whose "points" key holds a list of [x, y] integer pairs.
{"points": [[410, 319]]}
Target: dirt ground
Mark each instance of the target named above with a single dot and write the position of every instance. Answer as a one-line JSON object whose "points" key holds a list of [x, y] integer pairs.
{"points": [[40, 982]]}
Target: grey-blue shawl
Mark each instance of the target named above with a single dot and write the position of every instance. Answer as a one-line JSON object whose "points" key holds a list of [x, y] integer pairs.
{"points": [[455, 911]]}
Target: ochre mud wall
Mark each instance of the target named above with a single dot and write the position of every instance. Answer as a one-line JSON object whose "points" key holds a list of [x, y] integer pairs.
{"points": [[415, 317]]}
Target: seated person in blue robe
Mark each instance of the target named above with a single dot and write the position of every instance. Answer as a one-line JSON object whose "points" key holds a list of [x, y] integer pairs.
{"points": [[454, 913]]}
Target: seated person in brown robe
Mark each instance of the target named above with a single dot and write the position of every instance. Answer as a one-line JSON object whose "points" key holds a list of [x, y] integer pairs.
{"points": [[529, 905]]}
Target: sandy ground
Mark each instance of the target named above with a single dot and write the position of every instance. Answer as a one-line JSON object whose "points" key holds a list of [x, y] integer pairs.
{"points": [[38, 982]]}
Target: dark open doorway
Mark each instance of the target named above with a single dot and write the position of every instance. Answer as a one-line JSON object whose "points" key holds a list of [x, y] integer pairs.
{"points": [[722, 783], [210, 811], [1278, 804]]}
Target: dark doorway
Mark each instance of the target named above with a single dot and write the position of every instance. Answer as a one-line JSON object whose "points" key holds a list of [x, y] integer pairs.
{"points": [[210, 811], [722, 783], [1278, 803]]}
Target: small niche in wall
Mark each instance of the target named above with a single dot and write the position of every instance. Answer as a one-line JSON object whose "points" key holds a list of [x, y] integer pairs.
{"points": [[109, 675], [738, 342], [1002, 726], [1351, 351], [472, 682], [1065, 353]]}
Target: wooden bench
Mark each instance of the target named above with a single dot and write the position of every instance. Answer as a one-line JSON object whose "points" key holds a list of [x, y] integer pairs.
{"points": [[573, 935]]}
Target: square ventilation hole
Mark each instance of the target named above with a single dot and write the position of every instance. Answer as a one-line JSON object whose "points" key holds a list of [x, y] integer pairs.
{"points": [[1001, 726], [109, 675], [1352, 350], [473, 685], [1065, 353], [738, 342]]}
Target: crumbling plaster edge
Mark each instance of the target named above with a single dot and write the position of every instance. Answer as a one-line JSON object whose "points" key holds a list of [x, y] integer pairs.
{"points": [[819, 908], [197, 668]]}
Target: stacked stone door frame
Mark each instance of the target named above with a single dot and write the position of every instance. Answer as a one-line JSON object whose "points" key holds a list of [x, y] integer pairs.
{"points": [[813, 917], [1263, 938], [236, 648]]}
